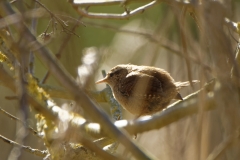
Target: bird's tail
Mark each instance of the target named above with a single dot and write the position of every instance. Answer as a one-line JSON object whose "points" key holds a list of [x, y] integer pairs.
{"points": [[185, 84]]}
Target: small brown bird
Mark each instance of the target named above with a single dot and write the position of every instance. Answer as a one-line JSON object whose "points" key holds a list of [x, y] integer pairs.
{"points": [[143, 90]]}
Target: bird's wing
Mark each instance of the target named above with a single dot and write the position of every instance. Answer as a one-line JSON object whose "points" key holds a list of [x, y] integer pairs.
{"points": [[139, 84], [163, 76]]}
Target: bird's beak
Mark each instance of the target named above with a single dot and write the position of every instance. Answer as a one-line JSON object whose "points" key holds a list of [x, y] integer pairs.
{"points": [[104, 80]]}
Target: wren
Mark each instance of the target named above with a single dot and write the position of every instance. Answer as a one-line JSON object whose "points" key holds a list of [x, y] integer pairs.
{"points": [[143, 90]]}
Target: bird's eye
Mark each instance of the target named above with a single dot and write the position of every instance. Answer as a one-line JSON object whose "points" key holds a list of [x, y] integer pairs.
{"points": [[111, 74]]}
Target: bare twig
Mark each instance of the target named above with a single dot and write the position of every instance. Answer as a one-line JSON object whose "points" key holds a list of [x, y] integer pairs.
{"points": [[63, 24], [61, 48], [104, 2], [124, 15], [99, 151], [232, 25], [101, 142], [28, 149], [18, 120]]}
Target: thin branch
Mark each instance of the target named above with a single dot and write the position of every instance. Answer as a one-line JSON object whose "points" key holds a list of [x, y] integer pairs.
{"points": [[63, 24], [61, 48], [103, 2], [232, 25], [77, 4], [28, 149], [103, 142], [77, 20], [124, 15], [99, 151], [18, 120]]}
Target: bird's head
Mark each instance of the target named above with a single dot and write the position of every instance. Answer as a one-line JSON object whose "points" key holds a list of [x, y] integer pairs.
{"points": [[115, 75]]}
